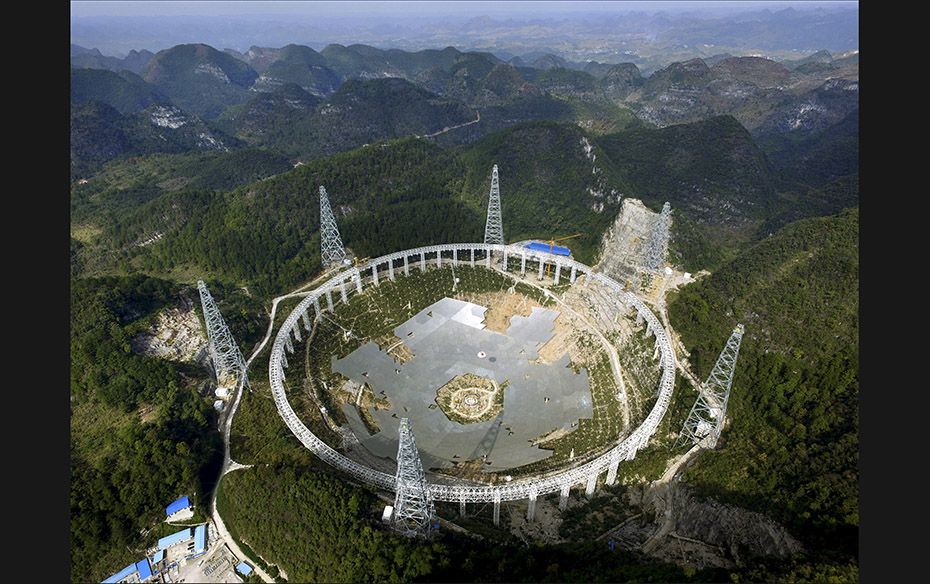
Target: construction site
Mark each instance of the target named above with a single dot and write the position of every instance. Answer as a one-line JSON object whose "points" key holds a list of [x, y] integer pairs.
{"points": [[482, 373]]}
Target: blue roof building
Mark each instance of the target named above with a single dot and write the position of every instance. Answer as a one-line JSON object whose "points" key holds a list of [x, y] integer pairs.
{"points": [[122, 574], [145, 572], [179, 505], [556, 249], [159, 556], [169, 540], [244, 569], [200, 539]]}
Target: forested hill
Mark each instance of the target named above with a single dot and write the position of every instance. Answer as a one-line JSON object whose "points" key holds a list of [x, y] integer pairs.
{"points": [[202, 164], [267, 233], [717, 180], [556, 179], [791, 448], [125, 92], [386, 196], [712, 167], [140, 433], [296, 123]]}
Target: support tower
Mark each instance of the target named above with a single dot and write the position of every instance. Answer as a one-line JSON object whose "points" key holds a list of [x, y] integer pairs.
{"points": [[705, 422], [413, 506], [658, 245], [331, 249], [227, 358], [494, 228]]}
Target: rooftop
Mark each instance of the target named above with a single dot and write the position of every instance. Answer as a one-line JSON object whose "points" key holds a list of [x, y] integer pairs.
{"points": [[555, 249], [145, 571], [200, 538], [244, 569], [169, 540], [127, 571], [175, 506]]}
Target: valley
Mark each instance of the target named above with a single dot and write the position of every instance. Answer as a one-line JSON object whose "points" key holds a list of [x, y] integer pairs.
{"points": [[198, 162]]}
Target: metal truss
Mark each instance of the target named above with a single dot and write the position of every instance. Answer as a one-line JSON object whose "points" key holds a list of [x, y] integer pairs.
{"points": [[227, 358], [413, 506], [658, 245], [331, 248], [353, 282], [705, 422], [494, 228]]}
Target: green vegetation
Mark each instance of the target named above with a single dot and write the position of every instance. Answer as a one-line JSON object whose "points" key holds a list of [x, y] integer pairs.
{"points": [[199, 79], [690, 248], [593, 517], [155, 203], [265, 235], [123, 185], [687, 163], [266, 506], [715, 177], [544, 181], [126, 92], [258, 435], [813, 159], [360, 112], [791, 450], [829, 199], [602, 118], [100, 133], [132, 418], [305, 67]]}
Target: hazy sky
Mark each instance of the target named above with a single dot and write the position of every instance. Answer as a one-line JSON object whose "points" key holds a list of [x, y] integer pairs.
{"points": [[493, 8], [560, 27]]}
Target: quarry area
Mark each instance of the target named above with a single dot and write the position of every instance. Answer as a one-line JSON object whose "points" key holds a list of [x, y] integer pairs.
{"points": [[176, 335]]}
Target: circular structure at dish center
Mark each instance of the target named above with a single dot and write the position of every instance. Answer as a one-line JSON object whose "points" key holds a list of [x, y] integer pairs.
{"points": [[536, 402]]}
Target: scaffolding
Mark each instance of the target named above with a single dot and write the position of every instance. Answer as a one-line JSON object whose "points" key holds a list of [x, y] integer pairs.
{"points": [[494, 228], [658, 245], [331, 248], [228, 362], [413, 505], [705, 422]]}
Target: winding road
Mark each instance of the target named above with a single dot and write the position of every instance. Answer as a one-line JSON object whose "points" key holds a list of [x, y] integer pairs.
{"points": [[229, 464], [450, 128]]}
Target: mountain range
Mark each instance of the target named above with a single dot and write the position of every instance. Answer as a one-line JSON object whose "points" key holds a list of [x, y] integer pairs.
{"points": [[650, 36], [308, 103], [197, 163]]}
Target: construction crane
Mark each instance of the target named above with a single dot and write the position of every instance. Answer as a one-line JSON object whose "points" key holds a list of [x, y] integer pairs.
{"points": [[360, 261], [551, 243]]}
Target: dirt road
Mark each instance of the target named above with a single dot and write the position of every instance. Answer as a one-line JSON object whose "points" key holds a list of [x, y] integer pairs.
{"points": [[449, 129], [229, 464]]}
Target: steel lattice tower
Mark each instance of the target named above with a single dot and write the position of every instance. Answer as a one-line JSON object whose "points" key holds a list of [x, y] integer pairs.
{"points": [[658, 245], [413, 506], [227, 358], [705, 422], [331, 249], [494, 228]]}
